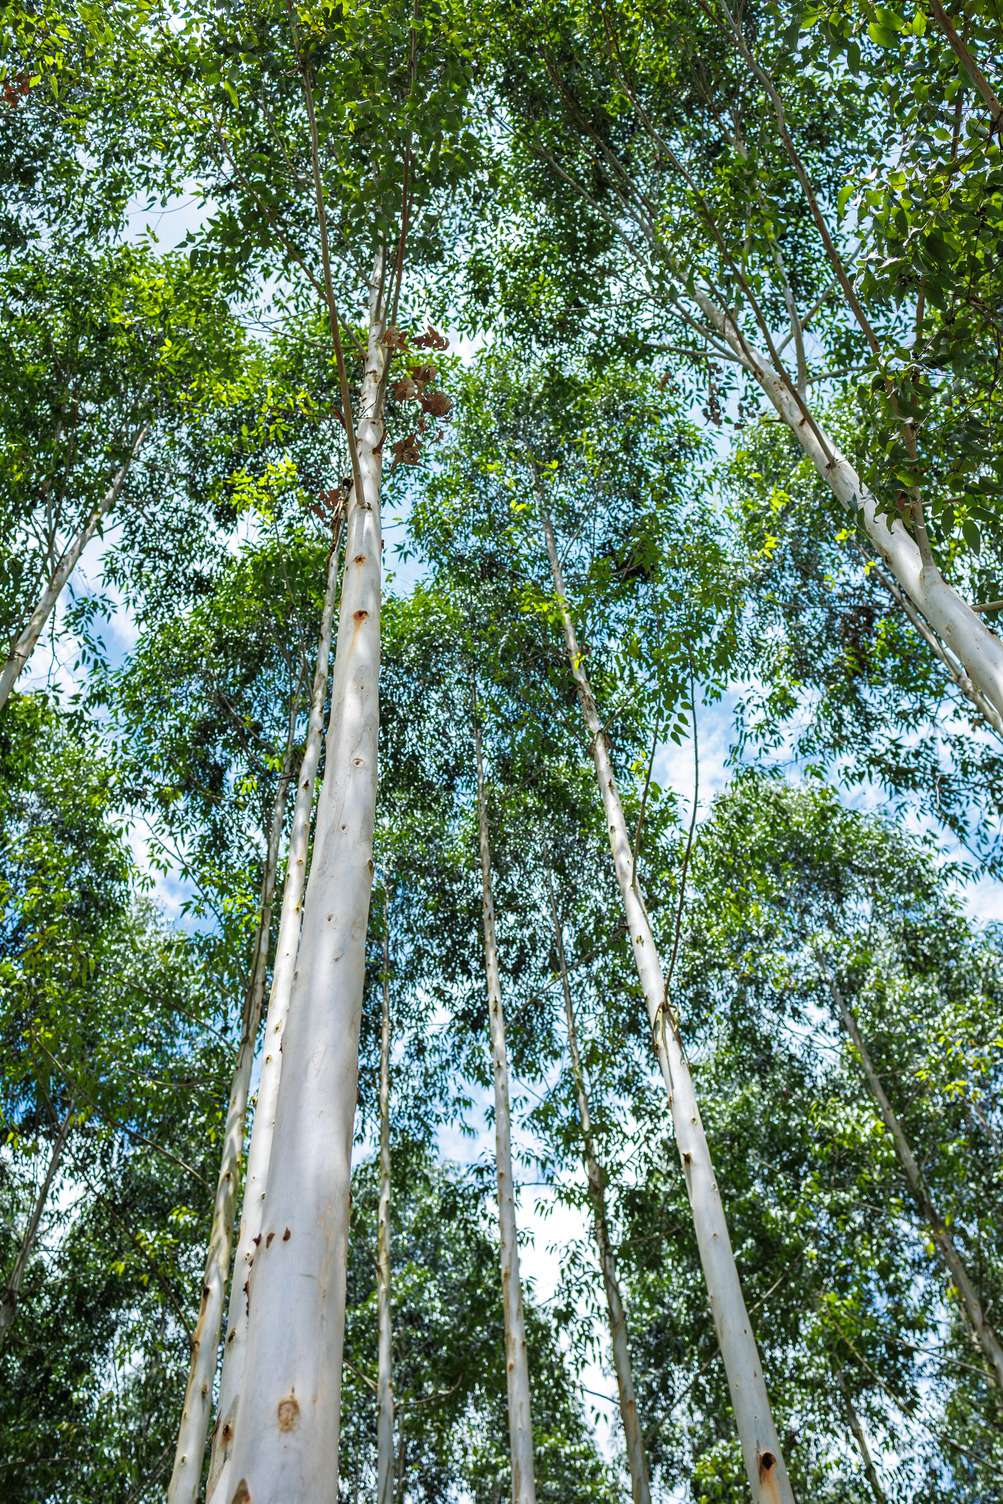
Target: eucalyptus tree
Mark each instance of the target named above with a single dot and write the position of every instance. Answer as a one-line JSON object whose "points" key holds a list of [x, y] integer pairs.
{"points": [[361, 121], [869, 1339], [537, 459], [106, 351], [833, 670], [697, 158]]}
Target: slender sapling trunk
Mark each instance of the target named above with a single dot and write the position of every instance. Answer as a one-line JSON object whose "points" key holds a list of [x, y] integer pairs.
{"points": [[286, 1427], [520, 1423], [942, 1240], [196, 1413], [12, 1290], [764, 1463], [24, 643], [636, 1459], [384, 1375], [858, 1435]]}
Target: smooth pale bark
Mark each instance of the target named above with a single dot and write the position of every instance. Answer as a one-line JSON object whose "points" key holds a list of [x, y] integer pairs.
{"points": [[636, 1459], [764, 1463], [962, 629], [196, 1413], [8, 1306], [384, 1372], [286, 1428], [520, 1421], [858, 1435], [942, 1240], [278, 1009], [24, 644]]}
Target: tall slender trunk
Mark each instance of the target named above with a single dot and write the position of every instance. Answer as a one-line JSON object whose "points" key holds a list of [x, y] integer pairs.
{"points": [[858, 1435], [636, 1460], [764, 1463], [942, 1240], [278, 1008], [23, 644], [12, 1290], [962, 629], [197, 1409], [286, 1428], [384, 1373], [520, 1421]]}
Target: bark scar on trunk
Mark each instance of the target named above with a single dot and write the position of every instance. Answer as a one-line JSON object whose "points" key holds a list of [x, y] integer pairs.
{"points": [[288, 1414]]}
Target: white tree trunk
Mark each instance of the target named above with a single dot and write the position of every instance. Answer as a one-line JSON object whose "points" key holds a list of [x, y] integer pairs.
{"points": [[286, 1429], [384, 1373], [764, 1463], [636, 1460], [962, 629], [942, 1240], [12, 1290], [196, 1413], [520, 1422], [24, 644], [268, 1086]]}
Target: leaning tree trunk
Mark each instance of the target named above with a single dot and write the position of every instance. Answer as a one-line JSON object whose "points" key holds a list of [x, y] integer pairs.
{"points": [[870, 1472], [520, 1421], [764, 1463], [636, 1460], [197, 1410], [12, 1290], [384, 1372], [286, 1428], [942, 1240], [962, 629], [278, 1008], [24, 644]]}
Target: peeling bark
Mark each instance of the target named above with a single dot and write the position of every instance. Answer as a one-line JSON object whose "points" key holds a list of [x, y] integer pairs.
{"points": [[764, 1463], [520, 1423]]}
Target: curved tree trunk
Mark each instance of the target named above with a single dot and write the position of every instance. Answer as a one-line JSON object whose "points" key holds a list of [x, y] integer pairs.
{"points": [[962, 629], [24, 644], [196, 1413], [520, 1421], [275, 1019], [384, 1374], [636, 1460], [12, 1290], [286, 1428], [942, 1240], [764, 1463]]}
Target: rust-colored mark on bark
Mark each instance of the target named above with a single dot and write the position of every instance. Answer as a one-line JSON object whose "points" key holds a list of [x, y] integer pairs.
{"points": [[687, 1158], [767, 1463], [360, 558], [268, 1240], [242, 1494], [286, 1236], [361, 615], [288, 1413]]}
